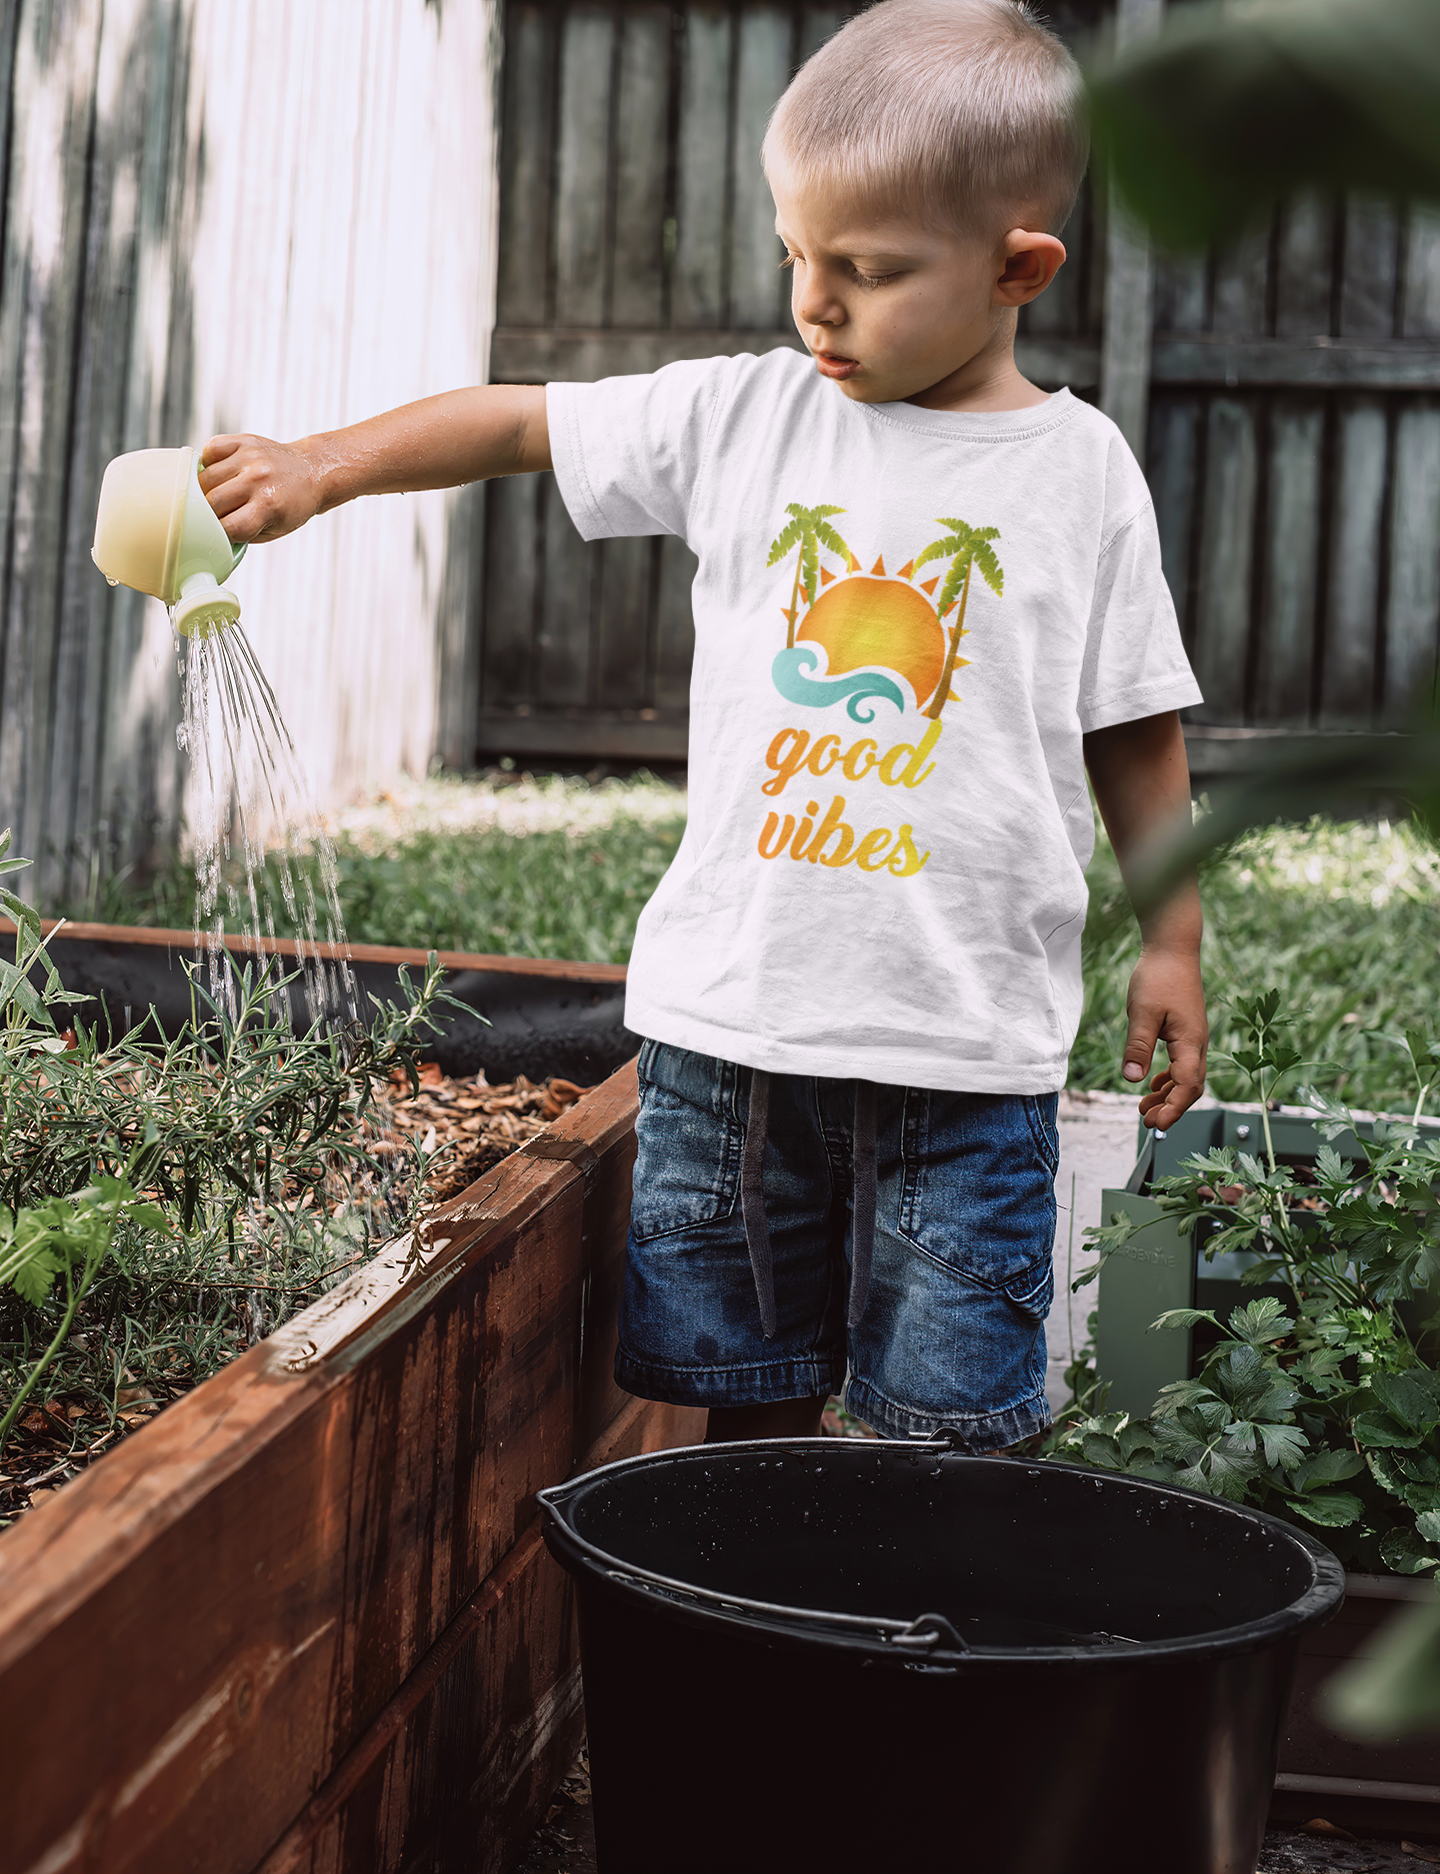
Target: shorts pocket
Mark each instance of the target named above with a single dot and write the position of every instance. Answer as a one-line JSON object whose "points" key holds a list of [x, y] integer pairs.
{"points": [[979, 1188], [690, 1141]]}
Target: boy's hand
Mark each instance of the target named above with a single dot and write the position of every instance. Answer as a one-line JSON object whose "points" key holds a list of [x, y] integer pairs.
{"points": [[261, 490], [1166, 1002]]}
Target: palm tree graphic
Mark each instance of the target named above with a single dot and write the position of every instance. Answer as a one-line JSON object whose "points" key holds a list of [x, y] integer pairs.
{"points": [[809, 529], [965, 547]]}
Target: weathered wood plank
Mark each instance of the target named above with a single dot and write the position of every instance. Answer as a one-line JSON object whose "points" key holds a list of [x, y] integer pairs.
{"points": [[1286, 652], [571, 355], [1223, 593], [1372, 257], [1172, 461], [585, 733], [308, 1526], [563, 648], [40, 289], [1182, 292], [1057, 312], [622, 660], [1305, 265], [1129, 303], [455, 1747], [526, 183], [642, 122], [1336, 365], [1353, 576], [1420, 300], [817, 24], [514, 572], [1412, 611], [698, 286], [759, 291], [582, 165], [1240, 286]]}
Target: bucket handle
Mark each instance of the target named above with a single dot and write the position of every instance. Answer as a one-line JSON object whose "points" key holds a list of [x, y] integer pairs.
{"points": [[920, 1634]]}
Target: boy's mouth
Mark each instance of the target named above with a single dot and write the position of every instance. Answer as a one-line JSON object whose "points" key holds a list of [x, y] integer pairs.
{"points": [[832, 364]]}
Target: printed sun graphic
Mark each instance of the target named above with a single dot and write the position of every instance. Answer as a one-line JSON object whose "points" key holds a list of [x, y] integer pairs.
{"points": [[869, 623]]}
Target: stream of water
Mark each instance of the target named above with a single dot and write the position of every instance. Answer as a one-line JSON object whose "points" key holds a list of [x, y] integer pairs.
{"points": [[255, 828]]}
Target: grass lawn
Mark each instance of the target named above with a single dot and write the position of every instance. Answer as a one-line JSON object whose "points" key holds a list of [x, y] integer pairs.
{"points": [[1343, 919]]}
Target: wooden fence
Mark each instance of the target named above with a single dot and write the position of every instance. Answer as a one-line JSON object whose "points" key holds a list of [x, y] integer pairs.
{"points": [[1291, 383], [218, 216]]}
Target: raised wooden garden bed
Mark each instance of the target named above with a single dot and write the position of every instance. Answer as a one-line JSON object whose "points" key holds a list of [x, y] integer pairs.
{"points": [[304, 1619]]}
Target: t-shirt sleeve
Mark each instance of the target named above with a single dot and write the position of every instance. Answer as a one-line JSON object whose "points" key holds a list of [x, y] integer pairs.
{"points": [[1135, 663], [628, 451]]}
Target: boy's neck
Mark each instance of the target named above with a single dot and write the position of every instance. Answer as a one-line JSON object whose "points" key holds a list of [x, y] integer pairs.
{"points": [[990, 380]]}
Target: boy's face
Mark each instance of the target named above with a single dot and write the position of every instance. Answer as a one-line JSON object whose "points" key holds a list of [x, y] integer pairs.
{"points": [[891, 309]]}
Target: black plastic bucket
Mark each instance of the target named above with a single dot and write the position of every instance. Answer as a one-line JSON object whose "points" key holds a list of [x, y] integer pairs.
{"points": [[843, 1654]]}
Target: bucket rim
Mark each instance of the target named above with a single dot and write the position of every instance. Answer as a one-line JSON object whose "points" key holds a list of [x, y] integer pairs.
{"points": [[928, 1640]]}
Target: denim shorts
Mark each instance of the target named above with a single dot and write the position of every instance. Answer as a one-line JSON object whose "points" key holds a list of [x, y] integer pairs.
{"points": [[953, 1328]]}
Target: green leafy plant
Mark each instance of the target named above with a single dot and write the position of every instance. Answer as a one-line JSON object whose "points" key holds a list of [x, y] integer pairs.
{"points": [[165, 1201], [1318, 1400]]}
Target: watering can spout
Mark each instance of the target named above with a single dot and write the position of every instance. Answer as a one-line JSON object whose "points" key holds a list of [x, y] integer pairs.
{"points": [[156, 532]]}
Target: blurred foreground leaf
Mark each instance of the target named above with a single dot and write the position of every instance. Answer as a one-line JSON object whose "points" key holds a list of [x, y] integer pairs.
{"points": [[1233, 107], [1396, 1691]]}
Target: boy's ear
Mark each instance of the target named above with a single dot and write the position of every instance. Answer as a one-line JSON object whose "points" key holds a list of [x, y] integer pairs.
{"points": [[1031, 262]]}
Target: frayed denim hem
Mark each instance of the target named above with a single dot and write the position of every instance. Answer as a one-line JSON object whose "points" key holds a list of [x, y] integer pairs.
{"points": [[982, 1432], [814, 1378]]}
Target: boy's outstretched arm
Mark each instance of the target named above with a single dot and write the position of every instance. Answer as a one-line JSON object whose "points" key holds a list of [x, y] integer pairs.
{"points": [[1142, 783], [263, 489]]}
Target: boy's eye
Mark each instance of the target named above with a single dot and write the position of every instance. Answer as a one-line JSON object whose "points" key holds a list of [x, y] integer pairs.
{"points": [[789, 260], [872, 279]]}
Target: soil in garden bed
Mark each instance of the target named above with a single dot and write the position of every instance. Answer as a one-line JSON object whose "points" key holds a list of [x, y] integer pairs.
{"points": [[440, 1140]]}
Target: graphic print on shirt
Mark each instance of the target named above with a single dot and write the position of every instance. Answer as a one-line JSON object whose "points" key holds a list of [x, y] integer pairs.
{"points": [[852, 623]]}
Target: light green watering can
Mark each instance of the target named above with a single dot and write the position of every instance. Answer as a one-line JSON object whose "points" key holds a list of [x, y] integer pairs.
{"points": [[155, 531]]}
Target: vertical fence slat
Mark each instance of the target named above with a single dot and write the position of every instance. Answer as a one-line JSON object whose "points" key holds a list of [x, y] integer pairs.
{"points": [[1412, 613], [1420, 307], [1284, 666], [57, 48], [1367, 292], [1181, 294], [622, 677], [562, 654], [514, 568], [582, 166], [1222, 621], [817, 24], [757, 287], [1241, 286], [525, 183], [697, 294], [1354, 572], [641, 127], [1305, 257], [1172, 455]]}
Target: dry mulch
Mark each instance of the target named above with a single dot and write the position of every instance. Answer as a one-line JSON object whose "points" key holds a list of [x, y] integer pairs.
{"points": [[463, 1127]]}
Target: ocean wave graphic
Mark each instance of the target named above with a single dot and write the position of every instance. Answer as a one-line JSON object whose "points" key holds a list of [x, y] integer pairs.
{"points": [[789, 672]]}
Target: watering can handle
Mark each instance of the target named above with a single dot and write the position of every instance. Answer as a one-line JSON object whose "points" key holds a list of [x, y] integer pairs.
{"points": [[239, 555]]}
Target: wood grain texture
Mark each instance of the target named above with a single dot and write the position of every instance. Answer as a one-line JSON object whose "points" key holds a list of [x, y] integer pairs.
{"points": [[302, 1533], [1356, 558], [582, 231], [699, 286], [1285, 663], [759, 291], [215, 219], [1223, 589], [1412, 618]]}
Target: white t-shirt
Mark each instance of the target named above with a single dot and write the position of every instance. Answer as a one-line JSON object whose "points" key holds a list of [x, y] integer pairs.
{"points": [[875, 882]]}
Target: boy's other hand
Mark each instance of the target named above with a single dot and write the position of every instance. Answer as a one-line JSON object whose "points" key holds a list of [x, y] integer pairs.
{"points": [[260, 489], [1166, 1002]]}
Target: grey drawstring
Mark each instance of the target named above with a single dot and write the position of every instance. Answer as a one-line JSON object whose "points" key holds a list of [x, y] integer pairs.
{"points": [[752, 1200]]}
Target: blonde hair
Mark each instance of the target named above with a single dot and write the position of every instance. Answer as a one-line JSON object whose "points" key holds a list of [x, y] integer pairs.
{"points": [[966, 113]]}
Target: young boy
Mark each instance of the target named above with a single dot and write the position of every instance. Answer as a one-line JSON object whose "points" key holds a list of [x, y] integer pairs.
{"points": [[929, 596]]}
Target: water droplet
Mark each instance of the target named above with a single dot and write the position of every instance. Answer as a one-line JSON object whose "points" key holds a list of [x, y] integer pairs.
{"points": [[111, 582]]}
